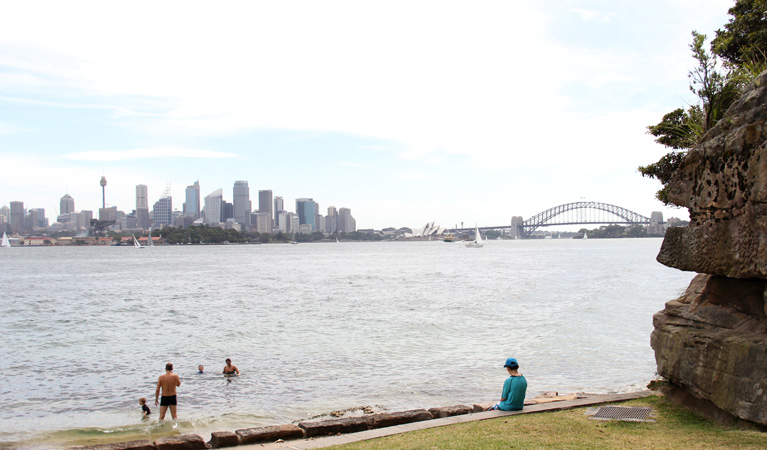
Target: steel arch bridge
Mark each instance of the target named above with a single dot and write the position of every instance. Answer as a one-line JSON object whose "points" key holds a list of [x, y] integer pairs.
{"points": [[578, 213], [583, 213]]}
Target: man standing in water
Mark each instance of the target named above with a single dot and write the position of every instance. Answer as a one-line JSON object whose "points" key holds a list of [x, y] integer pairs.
{"points": [[168, 383]]}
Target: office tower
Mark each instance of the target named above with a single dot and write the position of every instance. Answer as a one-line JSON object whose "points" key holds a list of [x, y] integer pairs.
{"points": [[295, 223], [305, 210], [17, 217], [282, 220], [142, 196], [192, 205], [162, 210], [67, 204], [319, 223], [263, 222], [142, 207], [227, 211], [108, 214], [6, 212], [214, 204], [331, 220], [346, 222], [279, 206], [241, 204], [37, 218], [266, 205]]}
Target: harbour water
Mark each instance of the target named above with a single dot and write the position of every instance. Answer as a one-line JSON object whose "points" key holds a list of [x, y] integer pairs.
{"points": [[313, 328]]}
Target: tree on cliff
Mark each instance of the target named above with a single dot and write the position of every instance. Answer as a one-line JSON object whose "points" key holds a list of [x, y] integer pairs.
{"points": [[742, 46]]}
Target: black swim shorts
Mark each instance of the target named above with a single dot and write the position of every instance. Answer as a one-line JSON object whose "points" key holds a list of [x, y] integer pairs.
{"points": [[167, 400]]}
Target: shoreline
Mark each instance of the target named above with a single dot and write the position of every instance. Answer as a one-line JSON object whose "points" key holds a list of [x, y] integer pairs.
{"points": [[322, 433]]}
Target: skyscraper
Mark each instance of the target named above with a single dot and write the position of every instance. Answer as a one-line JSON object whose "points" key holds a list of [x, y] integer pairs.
{"points": [[241, 203], [67, 204], [162, 211], [305, 208], [331, 220], [279, 206], [17, 217], [142, 206], [192, 205], [214, 203], [265, 205], [346, 222]]}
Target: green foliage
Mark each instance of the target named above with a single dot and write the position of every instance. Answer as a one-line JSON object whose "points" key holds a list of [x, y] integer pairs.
{"points": [[662, 170], [744, 37], [200, 234]]}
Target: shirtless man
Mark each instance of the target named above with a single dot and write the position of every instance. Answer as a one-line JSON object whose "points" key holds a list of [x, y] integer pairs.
{"points": [[230, 369], [168, 383]]}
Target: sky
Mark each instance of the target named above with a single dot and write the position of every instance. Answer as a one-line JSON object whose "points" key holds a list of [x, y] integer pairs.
{"points": [[406, 112]]}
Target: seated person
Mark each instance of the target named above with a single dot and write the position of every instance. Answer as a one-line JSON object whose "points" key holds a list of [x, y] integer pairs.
{"points": [[514, 389]]}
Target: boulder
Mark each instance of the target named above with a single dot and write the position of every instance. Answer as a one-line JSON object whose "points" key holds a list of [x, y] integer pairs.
{"points": [[398, 418], [328, 427], [712, 342], [182, 442], [723, 183], [220, 439], [269, 434], [447, 411]]}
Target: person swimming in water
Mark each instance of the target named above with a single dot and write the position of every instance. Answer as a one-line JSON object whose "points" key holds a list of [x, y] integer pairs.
{"points": [[229, 369]]}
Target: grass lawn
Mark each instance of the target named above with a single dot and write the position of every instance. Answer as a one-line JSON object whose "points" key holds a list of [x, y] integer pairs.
{"points": [[675, 428]]}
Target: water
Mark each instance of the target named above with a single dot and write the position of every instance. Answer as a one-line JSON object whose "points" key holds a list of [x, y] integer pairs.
{"points": [[313, 328]]}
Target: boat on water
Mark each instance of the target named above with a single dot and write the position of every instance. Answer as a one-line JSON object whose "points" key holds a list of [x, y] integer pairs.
{"points": [[477, 242], [149, 241], [136, 242], [585, 235], [448, 238], [5, 243]]}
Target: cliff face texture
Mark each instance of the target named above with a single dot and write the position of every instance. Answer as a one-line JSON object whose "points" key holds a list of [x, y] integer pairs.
{"points": [[712, 342]]}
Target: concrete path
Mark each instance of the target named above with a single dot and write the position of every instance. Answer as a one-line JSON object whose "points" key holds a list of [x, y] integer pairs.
{"points": [[302, 444]]}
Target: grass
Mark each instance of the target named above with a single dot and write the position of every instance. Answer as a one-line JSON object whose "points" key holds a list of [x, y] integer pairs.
{"points": [[675, 428]]}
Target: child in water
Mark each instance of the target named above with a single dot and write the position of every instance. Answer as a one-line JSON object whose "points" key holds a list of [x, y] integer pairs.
{"points": [[144, 408]]}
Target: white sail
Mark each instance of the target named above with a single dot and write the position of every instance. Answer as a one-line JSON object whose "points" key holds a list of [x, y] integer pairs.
{"points": [[477, 243], [6, 242], [149, 241], [135, 242]]}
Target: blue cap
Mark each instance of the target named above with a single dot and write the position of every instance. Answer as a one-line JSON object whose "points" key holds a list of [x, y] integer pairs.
{"points": [[512, 363]]}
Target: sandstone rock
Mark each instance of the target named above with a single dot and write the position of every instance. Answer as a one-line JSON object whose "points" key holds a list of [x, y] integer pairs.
{"points": [[182, 442], [447, 411], [398, 418], [269, 434], [130, 445], [723, 183], [712, 342], [220, 439], [327, 427]]}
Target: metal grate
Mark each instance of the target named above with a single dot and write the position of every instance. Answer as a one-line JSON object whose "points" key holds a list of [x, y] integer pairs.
{"points": [[631, 413]]}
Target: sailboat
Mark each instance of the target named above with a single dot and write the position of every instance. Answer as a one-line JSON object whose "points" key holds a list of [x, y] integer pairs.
{"points": [[585, 235], [6, 242], [477, 243], [149, 241], [135, 242]]}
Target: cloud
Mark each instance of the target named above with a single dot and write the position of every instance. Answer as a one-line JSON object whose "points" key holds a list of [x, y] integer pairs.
{"points": [[588, 15], [148, 153]]}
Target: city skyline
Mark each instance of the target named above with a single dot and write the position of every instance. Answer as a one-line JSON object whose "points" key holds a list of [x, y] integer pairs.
{"points": [[465, 113]]}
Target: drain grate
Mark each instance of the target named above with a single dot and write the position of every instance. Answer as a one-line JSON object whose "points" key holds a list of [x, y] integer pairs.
{"points": [[630, 413]]}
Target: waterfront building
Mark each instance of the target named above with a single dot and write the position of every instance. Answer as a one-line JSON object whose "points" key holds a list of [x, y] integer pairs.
{"points": [[192, 204], [66, 204], [142, 196], [37, 218], [295, 223], [305, 208], [17, 217], [319, 223], [162, 210], [263, 222], [282, 219], [331, 220], [346, 222], [266, 205], [242, 204], [214, 204]]}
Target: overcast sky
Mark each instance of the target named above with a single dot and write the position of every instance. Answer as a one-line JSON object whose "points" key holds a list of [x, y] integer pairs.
{"points": [[404, 112]]}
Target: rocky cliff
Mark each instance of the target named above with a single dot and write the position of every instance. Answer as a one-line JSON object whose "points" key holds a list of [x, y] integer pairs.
{"points": [[712, 342]]}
